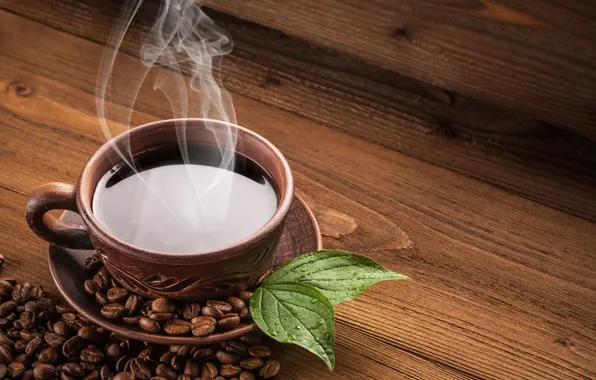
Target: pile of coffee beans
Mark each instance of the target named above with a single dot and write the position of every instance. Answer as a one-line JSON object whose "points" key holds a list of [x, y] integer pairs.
{"points": [[162, 314], [42, 340]]}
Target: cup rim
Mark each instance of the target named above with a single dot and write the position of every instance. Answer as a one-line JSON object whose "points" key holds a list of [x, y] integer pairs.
{"points": [[86, 207]]}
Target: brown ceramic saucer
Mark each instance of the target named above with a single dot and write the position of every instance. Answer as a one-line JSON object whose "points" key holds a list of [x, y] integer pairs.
{"points": [[301, 235]]}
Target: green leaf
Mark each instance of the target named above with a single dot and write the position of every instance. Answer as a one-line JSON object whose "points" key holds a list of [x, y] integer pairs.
{"points": [[296, 313], [339, 275]]}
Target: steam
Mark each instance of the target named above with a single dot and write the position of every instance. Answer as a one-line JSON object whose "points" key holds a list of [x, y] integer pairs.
{"points": [[182, 35]]}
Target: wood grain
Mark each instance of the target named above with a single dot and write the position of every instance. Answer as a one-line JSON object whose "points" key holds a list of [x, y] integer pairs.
{"points": [[503, 286]]}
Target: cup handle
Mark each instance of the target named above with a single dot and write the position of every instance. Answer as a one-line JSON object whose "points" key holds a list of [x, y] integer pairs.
{"points": [[56, 196]]}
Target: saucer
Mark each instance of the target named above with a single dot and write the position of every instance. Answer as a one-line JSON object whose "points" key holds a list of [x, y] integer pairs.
{"points": [[301, 235]]}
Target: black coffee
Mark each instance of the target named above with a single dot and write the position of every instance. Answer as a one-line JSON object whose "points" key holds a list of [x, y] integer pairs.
{"points": [[181, 205]]}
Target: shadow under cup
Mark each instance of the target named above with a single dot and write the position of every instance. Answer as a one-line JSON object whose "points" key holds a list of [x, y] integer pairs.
{"points": [[184, 276]]}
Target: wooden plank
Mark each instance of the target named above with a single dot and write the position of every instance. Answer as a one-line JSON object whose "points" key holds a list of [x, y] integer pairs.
{"points": [[508, 151], [533, 55], [503, 286]]}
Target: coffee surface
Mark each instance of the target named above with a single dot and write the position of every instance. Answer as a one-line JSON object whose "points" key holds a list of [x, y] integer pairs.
{"points": [[177, 202]]}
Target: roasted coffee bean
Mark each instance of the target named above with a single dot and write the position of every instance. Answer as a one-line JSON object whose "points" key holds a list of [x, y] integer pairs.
{"points": [[226, 357], [177, 363], [92, 355], [93, 263], [208, 371], [48, 355], [21, 308], [7, 308], [191, 310], [30, 335], [166, 357], [244, 313], [5, 354], [106, 373], [212, 312], [27, 320], [149, 325], [102, 279], [192, 368], [203, 330], [251, 363], [259, 351], [184, 377], [229, 370], [94, 375], [72, 348], [38, 292], [175, 348], [219, 378], [222, 306], [122, 363], [32, 306], [166, 371], [90, 287], [113, 350], [54, 340], [246, 375], [4, 323], [13, 333], [124, 376], [15, 369], [114, 283], [161, 317], [237, 304], [146, 308], [185, 350], [68, 317], [140, 368], [5, 288], [33, 346], [112, 310], [5, 339], [73, 369], [163, 305], [117, 295], [17, 324], [133, 304], [44, 371], [48, 315], [134, 320], [2, 371], [61, 328], [93, 334], [21, 292], [20, 346], [101, 298], [65, 376], [176, 327], [204, 353], [46, 303], [23, 358], [203, 319], [269, 369], [229, 321], [237, 348], [244, 296], [161, 378]]}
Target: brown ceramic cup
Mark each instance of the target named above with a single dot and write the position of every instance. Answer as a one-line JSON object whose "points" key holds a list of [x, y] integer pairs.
{"points": [[193, 276]]}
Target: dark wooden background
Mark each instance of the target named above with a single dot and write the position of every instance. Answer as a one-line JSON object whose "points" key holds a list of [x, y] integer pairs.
{"points": [[452, 140]]}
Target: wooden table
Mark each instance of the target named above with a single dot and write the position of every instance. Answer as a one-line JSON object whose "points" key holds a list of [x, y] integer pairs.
{"points": [[503, 279]]}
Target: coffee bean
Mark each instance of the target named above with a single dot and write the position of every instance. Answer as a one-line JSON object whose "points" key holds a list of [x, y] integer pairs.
{"points": [[65, 376], [184, 377], [146, 354], [212, 312], [163, 305], [226, 357], [113, 350], [177, 363], [7, 308], [229, 370], [200, 319], [17, 324], [94, 375], [192, 368], [54, 340], [61, 328], [72, 348], [21, 292], [208, 371], [5, 339], [161, 317], [237, 304], [92, 355], [245, 296], [161, 378], [219, 378], [32, 306], [30, 335], [14, 333], [112, 310], [133, 304], [15, 369], [2, 371], [20, 346], [185, 350], [5, 288], [203, 330], [5, 354], [93, 263], [23, 358], [175, 348], [27, 320], [204, 353], [44, 371], [269, 369], [46, 303], [101, 298], [149, 325], [49, 355], [102, 279], [191, 310], [73, 369], [90, 287], [251, 363], [222, 306], [38, 292], [259, 351], [166, 371], [33, 346], [106, 373], [141, 369], [229, 321], [48, 315], [122, 363], [124, 376], [134, 320], [176, 327], [68, 317], [146, 308], [93, 334], [117, 295], [246, 375], [244, 313], [237, 348]]}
